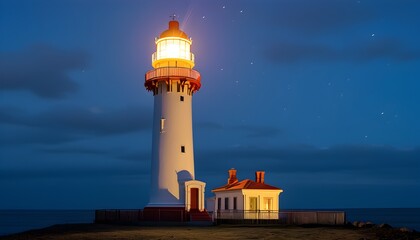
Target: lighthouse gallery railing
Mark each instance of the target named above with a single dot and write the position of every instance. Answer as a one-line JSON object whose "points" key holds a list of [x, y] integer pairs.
{"points": [[172, 72]]}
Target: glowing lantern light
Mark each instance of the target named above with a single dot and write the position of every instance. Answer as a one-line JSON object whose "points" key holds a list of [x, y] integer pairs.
{"points": [[173, 49]]}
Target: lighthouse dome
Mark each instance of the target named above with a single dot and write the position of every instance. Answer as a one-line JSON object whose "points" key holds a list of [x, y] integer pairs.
{"points": [[173, 31]]}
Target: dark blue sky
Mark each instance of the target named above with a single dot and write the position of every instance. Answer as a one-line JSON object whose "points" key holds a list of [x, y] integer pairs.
{"points": [[322, 95]]}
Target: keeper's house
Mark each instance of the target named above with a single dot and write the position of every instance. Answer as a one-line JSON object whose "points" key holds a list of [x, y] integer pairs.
{"points": [[247, 199]]}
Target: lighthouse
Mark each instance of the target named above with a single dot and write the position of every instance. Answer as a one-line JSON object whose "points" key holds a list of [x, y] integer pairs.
{"points": [[173, 82]]}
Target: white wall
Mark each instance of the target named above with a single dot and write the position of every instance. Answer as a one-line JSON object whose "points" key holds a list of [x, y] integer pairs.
{"points": [[260, 194], [230, 195], [170, 167], [243, 198]]}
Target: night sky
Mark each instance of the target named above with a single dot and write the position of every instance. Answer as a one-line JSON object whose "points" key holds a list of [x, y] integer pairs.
{"points": [[322, 95]]}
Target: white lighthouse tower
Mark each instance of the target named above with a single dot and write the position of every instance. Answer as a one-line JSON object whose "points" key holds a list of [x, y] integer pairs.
{"points": [[173, 83]]}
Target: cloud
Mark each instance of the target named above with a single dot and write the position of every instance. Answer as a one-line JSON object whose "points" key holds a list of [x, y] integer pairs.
{"points": [[76, 150], [326, 26], [317, 17], [323, 17], [144, 156], [42, 70], [288, 52], [381, 161], [83, 150], [336, 175], [86, 120], [73, 172], [387, 48], [69, 123], [251, 131], [17, 135]]}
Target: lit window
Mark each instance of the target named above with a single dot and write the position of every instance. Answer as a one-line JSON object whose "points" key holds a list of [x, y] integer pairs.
{"points": [[268, 203], [162, 125], [253, 204], [174, 48]]}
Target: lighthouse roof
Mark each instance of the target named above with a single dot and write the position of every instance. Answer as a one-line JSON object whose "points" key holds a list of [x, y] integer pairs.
{"points": [[173, 31], [245, 184], [234, 184]]}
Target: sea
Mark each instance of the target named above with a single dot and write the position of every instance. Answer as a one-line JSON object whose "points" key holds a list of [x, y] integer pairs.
{"points": [[15, 221]]}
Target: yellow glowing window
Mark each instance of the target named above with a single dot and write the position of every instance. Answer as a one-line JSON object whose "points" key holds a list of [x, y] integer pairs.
{"points": [[173, 48], [253, 203], [268, 203], [162, 125]]}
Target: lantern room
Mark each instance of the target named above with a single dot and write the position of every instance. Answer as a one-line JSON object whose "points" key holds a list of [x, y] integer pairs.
{"points": [[173, 48], [173, 63]]}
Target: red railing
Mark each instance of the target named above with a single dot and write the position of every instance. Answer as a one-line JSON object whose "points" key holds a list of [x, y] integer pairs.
{"points": [[224, 216], [172, 72], [140, 215], [281, 217]]}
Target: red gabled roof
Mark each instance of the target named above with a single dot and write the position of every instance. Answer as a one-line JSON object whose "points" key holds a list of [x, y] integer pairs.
{"points": [[245, 184]]}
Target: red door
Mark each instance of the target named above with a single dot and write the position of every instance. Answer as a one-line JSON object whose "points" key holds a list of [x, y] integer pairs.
{"points": [[194, 198]]}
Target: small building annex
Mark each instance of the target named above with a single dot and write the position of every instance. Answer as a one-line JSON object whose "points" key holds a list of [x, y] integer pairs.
{"points": [[253, 199]]}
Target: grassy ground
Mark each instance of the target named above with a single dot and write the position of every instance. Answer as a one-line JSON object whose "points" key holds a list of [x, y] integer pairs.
{"points": [[101, 231]]}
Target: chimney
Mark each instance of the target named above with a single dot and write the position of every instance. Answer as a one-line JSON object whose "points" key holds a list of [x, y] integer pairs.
{"points": [[232, 176], [259, 176]]}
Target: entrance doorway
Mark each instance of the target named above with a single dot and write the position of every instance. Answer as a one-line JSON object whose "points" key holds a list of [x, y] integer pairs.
{"points": [[194, 195], [194, 199]]}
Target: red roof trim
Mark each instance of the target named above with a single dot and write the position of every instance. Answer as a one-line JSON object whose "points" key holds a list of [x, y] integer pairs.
{"points": [[245, 184]]}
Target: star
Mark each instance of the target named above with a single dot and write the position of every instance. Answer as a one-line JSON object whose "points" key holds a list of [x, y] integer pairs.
{"points": [[241, 11], [224, 7], [373, 35]]}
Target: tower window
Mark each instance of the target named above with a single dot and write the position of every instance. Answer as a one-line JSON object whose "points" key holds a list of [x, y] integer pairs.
{"points": [[183, 149], [181, 98], [162, 124]]}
